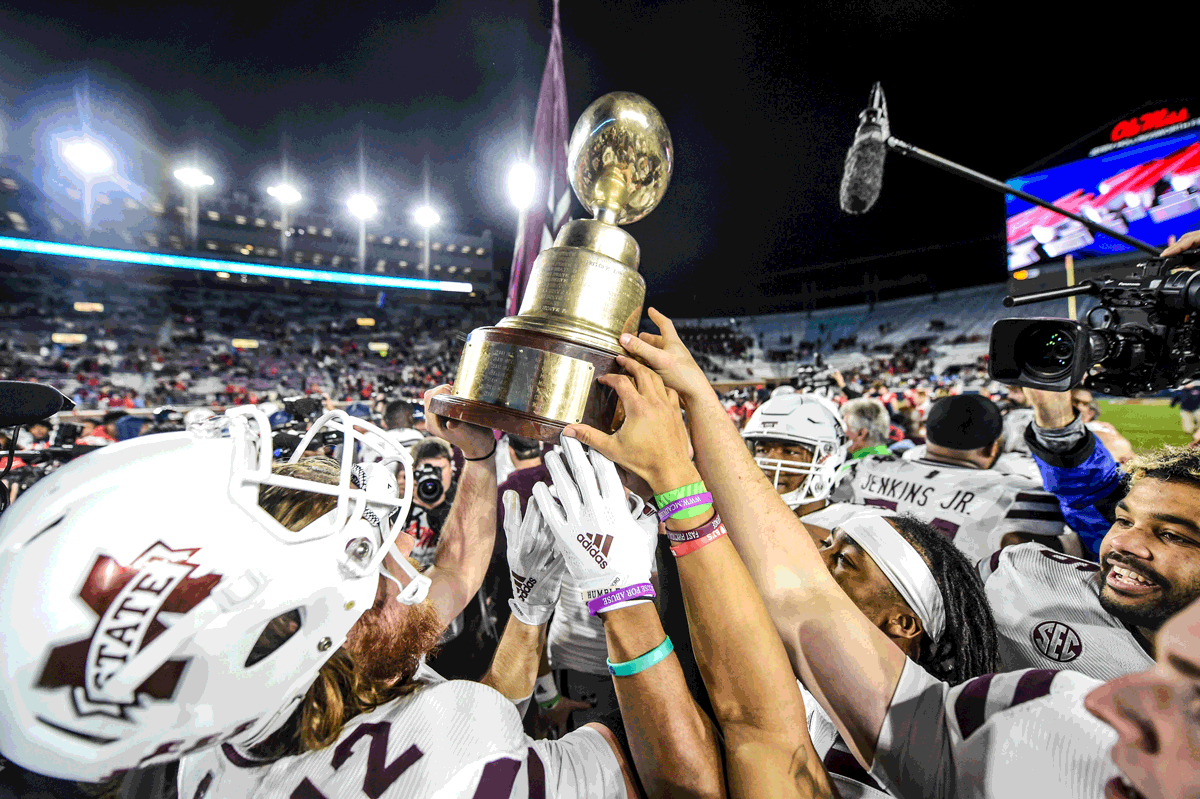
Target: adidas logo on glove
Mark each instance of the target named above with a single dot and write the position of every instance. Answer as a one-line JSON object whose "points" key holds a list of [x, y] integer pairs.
{"points": [[523, 585], [597, 546]]}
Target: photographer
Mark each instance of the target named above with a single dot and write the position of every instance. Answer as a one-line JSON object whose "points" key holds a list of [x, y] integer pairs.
{"points": [[468, 642]]}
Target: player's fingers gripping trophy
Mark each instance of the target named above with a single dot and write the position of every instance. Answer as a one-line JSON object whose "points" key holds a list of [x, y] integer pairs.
{"points": [[669, 357], [534, 562], [606, 549]]}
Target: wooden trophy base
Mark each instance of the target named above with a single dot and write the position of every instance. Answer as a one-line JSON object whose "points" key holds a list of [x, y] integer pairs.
{"points": [[530, 384]]}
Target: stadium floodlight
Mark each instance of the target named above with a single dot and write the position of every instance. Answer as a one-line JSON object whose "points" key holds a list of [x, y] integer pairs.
{"points": [[521, 184], [87, 157], [288, 195], [192, 177], [426, 217], [362, 206]]}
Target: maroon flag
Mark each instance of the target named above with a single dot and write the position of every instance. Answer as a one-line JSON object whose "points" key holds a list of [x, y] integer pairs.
{"points": [[548, 157]]}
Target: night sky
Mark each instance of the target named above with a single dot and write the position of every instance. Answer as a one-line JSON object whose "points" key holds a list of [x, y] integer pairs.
{"points": [[762, 105]]}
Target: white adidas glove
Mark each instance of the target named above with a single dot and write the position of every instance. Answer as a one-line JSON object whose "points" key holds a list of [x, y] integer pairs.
{"points": [[534, 563], [604, 547]]}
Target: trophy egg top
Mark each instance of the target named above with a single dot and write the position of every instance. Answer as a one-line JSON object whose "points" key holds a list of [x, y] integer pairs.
{"points": [[620, 157]]}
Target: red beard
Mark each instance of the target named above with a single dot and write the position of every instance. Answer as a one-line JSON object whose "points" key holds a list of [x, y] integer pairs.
{"points": [[389, 640]]}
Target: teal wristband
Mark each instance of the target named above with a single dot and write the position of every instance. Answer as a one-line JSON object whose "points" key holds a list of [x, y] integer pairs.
{"points": [[640, 664], [667, 497]]}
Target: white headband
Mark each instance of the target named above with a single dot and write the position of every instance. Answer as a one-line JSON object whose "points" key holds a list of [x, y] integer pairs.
{"points": [[903, 566]]}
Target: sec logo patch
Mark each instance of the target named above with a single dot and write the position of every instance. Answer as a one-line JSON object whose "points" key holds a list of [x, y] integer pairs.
{"points": [[1057, 641]]}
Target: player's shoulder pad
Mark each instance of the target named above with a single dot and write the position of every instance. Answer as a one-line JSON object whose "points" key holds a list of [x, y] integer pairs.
{"points": [[976, 701], [1033, 560]]}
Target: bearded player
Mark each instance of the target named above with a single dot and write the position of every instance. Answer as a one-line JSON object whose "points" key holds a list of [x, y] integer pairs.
{"points": [[1016, 734], [1102, 619], [265, 640]]}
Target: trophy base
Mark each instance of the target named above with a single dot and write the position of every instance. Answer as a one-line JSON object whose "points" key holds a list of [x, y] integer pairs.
{"points": [[530, 384]]}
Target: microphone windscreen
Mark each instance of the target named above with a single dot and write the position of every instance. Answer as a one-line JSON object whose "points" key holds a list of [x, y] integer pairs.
{"points": [[25, 403], [862, 178]]}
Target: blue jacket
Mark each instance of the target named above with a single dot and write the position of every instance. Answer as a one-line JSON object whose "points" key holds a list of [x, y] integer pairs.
{"points": [[1088, 484]]}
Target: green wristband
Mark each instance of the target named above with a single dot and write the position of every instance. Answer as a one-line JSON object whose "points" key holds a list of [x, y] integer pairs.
{"points": [[667, 497], [689, 513], [640, 664]]}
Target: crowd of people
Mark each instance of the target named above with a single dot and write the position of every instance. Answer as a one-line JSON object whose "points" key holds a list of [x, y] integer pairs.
{"points": [[787, 604]]}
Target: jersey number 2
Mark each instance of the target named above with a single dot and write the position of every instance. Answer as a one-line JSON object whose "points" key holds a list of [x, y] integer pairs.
{"points": [[496, 780]]}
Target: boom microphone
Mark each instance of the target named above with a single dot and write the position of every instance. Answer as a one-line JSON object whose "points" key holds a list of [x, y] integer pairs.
{"points": [[862, 177], [25, 403]]}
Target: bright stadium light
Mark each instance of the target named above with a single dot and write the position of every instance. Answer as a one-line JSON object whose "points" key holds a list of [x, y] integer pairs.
{"points": [[284, 193], [426, 217], [192, 178], [362, 206], [521, 183], [87, 157]]}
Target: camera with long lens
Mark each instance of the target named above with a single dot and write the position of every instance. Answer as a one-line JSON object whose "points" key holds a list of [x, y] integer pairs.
{"points": [[1142, 337], [289, 425], [428, 480]]}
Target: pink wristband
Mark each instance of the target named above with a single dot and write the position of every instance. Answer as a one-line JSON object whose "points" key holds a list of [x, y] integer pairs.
{"points": [[691, 546], [603, 603], [683, 536]]}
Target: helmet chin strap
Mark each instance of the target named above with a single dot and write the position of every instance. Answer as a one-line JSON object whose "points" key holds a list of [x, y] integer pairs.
{"points": [[418, 584]]}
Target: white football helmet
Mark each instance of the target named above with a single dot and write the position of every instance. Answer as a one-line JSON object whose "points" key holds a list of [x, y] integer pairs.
{"points": [[136, 580], [808, 420]]}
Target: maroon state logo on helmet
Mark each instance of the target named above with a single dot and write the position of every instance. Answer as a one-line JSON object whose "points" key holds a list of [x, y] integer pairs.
{"points": [[133, 604], [1057, 641]]}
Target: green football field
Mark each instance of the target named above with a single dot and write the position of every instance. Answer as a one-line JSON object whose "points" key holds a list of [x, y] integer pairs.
{"points": [[1146, 424]]}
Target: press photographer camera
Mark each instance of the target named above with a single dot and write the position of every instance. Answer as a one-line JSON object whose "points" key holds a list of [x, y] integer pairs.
{"points": [[429, 486], [1142, 337], [289, 425]]}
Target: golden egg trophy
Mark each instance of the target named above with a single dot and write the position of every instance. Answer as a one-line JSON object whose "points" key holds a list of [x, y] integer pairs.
{"points": [[534, 373]]}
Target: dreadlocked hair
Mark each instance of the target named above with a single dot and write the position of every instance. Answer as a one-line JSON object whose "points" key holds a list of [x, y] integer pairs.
{"points": [[341, 690], [969, 644]]}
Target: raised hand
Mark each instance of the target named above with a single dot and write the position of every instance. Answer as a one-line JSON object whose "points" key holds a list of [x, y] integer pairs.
{"points": [[535, 566], [653, 440], [604, 547], [474, 441], [1185, 243], [667, 355]]}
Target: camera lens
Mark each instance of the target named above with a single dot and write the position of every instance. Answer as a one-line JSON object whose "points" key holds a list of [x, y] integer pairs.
{"points": [[1047, 351], [429, 483]]}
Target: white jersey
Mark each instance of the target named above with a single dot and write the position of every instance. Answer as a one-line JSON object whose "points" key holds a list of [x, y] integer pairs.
{"points": [[448, 739], [973, 507], [1015, 735], [848, 775], [576, 639], [1048, 615]]}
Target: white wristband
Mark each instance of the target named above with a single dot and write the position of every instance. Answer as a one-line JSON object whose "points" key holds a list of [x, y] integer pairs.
{"points": [[545, 692]]}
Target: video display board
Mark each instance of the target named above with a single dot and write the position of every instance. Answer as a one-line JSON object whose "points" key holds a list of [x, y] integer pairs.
{"points": [[1144, 182]]}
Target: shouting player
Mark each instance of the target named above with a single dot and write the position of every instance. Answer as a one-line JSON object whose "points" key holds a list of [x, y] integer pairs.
{"points": [[1054, 611], [1015, 734]]}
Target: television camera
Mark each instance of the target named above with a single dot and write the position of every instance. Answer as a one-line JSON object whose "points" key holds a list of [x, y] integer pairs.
{"points": [[1142, 337]]}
